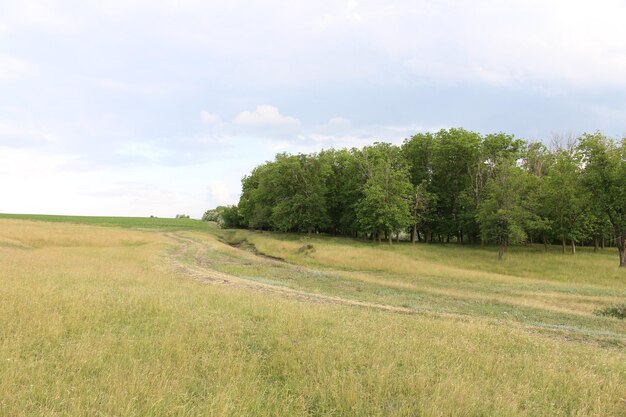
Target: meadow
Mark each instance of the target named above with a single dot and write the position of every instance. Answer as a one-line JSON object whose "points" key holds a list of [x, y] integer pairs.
{"points": [[176, 317]]}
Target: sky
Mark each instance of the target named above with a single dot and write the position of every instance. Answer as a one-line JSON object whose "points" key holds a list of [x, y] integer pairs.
{"points": [[151, 107]]}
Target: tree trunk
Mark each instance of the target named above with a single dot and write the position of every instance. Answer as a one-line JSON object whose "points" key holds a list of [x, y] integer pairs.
{"points": [[596, 244], [621, 246], [501, 249], [545, 244], [414, 233], [563, 244], [573, 247], [390, 236], [398, 237]]}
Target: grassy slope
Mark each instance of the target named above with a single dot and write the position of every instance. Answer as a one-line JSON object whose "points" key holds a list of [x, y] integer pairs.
{"points": [[95, 322], [548, 290]]}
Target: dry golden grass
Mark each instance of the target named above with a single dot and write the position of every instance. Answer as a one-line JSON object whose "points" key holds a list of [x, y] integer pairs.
{"points": [[94, 322]]}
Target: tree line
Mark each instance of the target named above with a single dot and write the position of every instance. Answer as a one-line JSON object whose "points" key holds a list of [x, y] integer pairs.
{"points": [[454, 185]]}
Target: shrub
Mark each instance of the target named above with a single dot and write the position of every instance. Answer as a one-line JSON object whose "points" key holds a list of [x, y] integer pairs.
{"points": [[617, 310]]}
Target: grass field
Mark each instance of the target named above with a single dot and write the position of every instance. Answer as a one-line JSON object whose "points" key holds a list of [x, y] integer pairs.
{"points": [[126, 222], [175, 317]]}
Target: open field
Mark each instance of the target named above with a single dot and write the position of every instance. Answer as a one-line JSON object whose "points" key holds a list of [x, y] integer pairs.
{"points": [[126, 222], [177, 317]]}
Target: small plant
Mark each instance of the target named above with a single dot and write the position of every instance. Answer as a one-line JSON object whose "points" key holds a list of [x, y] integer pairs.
{"points": [[182, 216], [306, 249], [617, 310]]}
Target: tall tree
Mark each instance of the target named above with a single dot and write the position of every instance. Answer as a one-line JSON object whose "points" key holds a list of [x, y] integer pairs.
{"points": [[258, 196], [565, 199], [455, 151], [604, 175], [384, 207], [501, 215], [300, 182], [421, 209], [344, 189]]}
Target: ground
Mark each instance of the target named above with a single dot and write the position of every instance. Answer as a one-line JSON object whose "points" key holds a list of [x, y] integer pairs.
{"points": [[134, 317]]}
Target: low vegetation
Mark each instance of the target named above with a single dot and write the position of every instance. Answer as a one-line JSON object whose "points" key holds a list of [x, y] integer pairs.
{"points": [[618, 310], [180, 318]]}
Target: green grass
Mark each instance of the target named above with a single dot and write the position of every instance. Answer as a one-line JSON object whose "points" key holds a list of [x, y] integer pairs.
{"points": [[98, 321], [126, 222]]}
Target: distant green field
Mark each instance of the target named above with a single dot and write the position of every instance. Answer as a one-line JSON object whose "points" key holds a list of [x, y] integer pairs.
{"points": [[133, 222]]}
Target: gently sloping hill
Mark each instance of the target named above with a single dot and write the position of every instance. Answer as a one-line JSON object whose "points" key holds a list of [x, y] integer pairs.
{"points": [[150, 223], [522, 264], [102, 328], [205, 257]]}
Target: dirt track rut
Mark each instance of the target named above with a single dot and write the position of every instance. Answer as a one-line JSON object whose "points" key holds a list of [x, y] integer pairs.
{"points": [[202, 273]]}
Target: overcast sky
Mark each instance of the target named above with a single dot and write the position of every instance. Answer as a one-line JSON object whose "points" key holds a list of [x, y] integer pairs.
{"points": [[124, 107]]}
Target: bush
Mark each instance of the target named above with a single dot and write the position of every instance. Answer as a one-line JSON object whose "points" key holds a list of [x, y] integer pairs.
{"points": [[231, 219], [617, 310], [227, 217], [213, 215]]}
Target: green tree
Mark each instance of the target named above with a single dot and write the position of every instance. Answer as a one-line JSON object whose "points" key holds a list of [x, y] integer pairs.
{"points": [[421, 209], [230, 217], [501, 215], [455, 152], [258, 197], [300, 184], [604, 175], [384, 207], [565, 199], [536, 162], [344, 189]]}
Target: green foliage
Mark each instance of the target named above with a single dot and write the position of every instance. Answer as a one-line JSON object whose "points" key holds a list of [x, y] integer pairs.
{"points": [[605, 177], [453, 185], [386, 194], [300, 188], [565, 198], [230, 217], [618, 311], [213, 215], [344, 189], [501, 215]]}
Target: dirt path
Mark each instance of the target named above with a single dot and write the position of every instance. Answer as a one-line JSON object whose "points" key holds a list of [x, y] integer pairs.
{"points": [[188, 260], [202, 273]]}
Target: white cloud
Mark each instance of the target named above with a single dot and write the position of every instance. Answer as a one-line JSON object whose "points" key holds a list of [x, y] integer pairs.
{"points": [[221, 193], [339, 122], [12, 68], [209, 118], [264, 115], [141, 150], [17, 135]]}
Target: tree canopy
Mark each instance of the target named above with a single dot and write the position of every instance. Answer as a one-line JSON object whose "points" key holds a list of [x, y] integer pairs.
{"points": [[453, 185]]}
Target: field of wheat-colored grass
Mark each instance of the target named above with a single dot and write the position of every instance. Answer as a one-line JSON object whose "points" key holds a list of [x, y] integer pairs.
{"points": [[159, 321]]}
